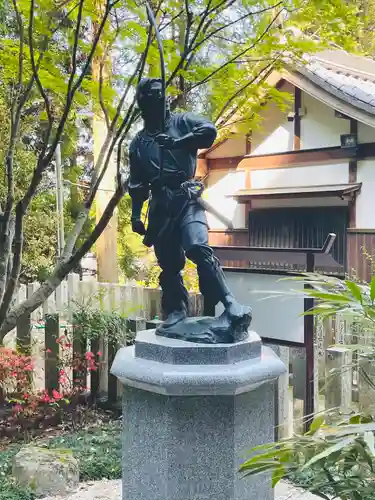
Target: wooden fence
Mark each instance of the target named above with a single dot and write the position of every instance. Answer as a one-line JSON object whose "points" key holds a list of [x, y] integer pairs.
{"points": [[38, 333], [345, 353]]}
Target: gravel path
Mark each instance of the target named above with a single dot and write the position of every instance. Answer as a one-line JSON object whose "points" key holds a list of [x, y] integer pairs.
{"points": [[111, 490]]}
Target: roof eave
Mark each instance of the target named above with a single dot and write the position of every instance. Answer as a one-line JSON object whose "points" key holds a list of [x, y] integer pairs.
{"points": [[315, 90]]}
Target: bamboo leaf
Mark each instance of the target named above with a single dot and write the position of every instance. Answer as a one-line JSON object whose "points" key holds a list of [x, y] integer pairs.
{"points": [[333, 297], [277, 475], [332, 449], [355, 290], [368, 437], [316, 425], [372, 289]]}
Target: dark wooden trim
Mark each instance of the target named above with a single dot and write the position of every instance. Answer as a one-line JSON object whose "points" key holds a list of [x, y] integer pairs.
{"points": [[228, 231], [248, 143], [281, 272], [358, 244], [353, 126], [223, 163], [282, 343], [228, 237], [244, 198], [308, 156], [353, 168], [271, 272], [357, 230], [297, 118], [309, 344], [352, 171]]}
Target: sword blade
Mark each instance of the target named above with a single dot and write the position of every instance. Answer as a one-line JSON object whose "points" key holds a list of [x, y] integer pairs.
{"points": [[210, 209]]}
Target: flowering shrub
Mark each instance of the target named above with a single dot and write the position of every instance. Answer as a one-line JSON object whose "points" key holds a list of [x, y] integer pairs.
{"points": [[16, 378], [15, 371]]}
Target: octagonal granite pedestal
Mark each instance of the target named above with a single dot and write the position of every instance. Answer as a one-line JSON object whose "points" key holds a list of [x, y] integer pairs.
{"points": [[191, 414]]}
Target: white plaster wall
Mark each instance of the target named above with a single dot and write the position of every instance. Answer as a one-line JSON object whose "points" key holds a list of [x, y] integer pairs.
{"points": [[365, 206], [220, 184], [365, 133], [274, 134], [312, 175], [234, 146], [319, 127]]}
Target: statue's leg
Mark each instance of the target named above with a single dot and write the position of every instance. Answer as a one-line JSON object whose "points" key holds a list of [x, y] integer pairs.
{"points": [[175, 298], [212, 281]]}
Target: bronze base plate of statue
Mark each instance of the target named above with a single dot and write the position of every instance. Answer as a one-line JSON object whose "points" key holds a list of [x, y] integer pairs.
{"points": [[163, 157], [209, 330]]}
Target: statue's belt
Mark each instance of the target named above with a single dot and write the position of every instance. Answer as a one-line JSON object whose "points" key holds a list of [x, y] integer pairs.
{"points": [[192, 191]]}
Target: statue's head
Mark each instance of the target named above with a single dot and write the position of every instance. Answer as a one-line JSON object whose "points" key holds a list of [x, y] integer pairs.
{"points": [[149, 97]]}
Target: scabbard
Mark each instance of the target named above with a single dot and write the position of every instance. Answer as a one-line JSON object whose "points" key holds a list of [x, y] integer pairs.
{"points": [[210, 209]]}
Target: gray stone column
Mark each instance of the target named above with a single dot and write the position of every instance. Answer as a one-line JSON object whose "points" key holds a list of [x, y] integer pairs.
{"points": [[192, 412]]}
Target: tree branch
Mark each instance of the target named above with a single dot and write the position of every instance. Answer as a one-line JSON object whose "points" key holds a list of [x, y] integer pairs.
{"points": [[240, 54], [16, 267], [171, 21], [36, 75], [5, 260], [63, 268], [101, 100], [267, 70], [73, 87], [221, 28], [107, 151]]}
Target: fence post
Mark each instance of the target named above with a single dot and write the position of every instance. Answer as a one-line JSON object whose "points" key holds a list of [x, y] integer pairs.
{"points": [[24, 333], [339, 379], [136, 324], [79, 343], [95, 374], [52, 333], [113, 386], [366, 383], [23, 336]]}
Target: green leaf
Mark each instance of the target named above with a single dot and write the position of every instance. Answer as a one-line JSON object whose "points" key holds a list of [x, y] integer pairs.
{"points": [[372, 289], [368, 437], [277, 475], [355, 290], [356, 419], [316, 425], [329, 451], [332, 297]]}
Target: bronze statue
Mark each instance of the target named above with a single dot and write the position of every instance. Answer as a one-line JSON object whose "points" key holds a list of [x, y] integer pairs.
{"points": [[162, 168]]}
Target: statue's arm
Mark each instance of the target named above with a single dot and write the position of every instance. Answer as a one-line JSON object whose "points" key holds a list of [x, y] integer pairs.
{"points": [[139, 189], [201, 132]]}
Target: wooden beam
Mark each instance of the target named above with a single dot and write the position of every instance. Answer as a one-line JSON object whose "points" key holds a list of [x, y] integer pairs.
{"points": [[308, 157], [356, 230], [202, 167], [223, 163], [353, 167], [297, 118], [248, 143], [245, 198]]}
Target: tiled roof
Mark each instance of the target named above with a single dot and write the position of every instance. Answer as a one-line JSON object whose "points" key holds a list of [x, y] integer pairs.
{"points": [[348, 77]]}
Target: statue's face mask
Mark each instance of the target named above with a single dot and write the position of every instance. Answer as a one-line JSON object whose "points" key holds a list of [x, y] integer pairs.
{"points": [[150, 100]]}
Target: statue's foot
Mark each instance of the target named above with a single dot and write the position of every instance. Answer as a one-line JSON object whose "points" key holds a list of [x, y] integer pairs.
{"points": [[240, 316], [174, 318]]}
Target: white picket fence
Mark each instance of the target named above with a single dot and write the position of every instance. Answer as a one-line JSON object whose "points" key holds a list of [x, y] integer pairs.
{"points": [[129, 300]]}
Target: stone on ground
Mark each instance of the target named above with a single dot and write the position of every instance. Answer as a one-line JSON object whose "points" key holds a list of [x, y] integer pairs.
{"points": [[46, 472]]}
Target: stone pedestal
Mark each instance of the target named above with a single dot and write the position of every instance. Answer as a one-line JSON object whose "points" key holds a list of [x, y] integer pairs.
{"points": [[191, 414]]}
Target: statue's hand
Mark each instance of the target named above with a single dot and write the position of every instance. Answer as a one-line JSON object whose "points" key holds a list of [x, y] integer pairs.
{"points": [[138, 227], [166, 141]]}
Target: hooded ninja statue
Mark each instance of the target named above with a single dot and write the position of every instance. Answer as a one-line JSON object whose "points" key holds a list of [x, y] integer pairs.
{"points": [[177, 225]]}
